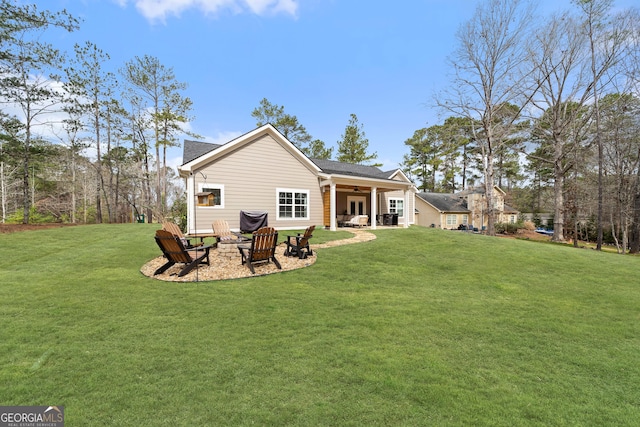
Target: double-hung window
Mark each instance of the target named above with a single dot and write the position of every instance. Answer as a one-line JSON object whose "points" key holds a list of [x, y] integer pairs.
{"points": [[396, 206], [293, 204], [452, 220]]}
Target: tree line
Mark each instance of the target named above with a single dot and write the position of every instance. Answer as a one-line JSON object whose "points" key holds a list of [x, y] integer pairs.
{"points": [[113, 130], [549, 110]]}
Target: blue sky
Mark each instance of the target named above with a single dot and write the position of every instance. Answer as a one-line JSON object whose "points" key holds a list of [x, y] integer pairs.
{"points": [[320, 59]]}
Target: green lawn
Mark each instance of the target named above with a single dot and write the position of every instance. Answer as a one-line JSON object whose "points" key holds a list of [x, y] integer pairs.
{"points": [[418, 327]]}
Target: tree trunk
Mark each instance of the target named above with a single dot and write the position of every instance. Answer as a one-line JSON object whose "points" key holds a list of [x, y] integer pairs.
{"points": [[558, 203], [3, 193], [73, 185], [25, 180], [634, 233]]}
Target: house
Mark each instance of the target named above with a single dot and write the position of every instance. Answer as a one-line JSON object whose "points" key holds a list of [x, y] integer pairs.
{"points": [[466, 208], [263, 171]]}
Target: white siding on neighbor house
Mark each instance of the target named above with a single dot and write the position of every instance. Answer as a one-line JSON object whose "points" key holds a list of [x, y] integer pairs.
{"points": [[251, 175]]}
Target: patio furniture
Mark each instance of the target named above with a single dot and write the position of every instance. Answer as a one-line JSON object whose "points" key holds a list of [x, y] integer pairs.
{"points": [[343, 220], [251, 221], [262, 248], [359, 221], [296, 245], [175, 253], [390, 219], [222, 232], [176, 231]]}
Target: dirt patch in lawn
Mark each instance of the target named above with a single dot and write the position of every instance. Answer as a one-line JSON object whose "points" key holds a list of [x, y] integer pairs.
{"points": [[527, 235], [16, 228]]}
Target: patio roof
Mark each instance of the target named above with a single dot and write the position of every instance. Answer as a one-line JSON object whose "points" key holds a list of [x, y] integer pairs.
{"points": [[341, 168]]}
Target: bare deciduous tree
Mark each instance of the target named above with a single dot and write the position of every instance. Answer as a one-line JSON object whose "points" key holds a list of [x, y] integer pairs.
{"points": [[489, 77]]}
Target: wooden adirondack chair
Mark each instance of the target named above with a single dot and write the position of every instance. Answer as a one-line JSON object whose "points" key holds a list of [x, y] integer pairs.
{"points": [[222, 232], [299, 245], [175, 230], [262, 248], [175, 253]]}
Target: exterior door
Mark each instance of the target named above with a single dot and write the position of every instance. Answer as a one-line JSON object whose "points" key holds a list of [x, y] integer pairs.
{"points": [[357, 205]]}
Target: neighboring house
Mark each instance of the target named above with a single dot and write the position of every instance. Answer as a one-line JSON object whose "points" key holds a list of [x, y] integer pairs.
{"points": [[263, 171], [466, 208]]}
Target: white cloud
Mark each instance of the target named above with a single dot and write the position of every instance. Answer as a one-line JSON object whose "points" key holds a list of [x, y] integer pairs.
{"points": [[223, 137], [158, 10]]}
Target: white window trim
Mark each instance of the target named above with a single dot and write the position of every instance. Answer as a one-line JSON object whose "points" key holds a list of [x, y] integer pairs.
{"points": [[397, 199], [292, 190], [453, 215], [202, 186]]}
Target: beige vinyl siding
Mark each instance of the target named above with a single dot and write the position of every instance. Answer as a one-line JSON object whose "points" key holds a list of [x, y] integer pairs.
{"points": [[250, 175], [383, 208], [428, 215]]}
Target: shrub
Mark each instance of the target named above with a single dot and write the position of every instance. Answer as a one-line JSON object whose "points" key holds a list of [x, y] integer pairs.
{"points": [[508, 227]]}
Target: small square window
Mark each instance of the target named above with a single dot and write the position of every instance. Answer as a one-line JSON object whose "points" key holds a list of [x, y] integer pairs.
{"points": [[210, 197]]}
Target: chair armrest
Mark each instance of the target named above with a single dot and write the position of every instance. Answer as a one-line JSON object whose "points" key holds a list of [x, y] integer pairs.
{"points": [[199, 248]]}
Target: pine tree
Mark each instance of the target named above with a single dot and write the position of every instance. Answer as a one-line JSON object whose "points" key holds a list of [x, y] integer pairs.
{"points": [[353, 146]]}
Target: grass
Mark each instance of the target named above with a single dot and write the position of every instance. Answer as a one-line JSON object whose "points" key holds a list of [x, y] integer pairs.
{"points": [[418, 327]]}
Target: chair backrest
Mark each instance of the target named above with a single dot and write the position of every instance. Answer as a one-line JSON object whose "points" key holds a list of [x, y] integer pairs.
{"points": [[222, 230], [263, 244], [172, 228], [172, 247], [308, 233]]}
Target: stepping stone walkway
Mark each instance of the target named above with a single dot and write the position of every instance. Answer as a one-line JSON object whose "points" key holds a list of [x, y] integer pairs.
{"points": [[359, 236]]}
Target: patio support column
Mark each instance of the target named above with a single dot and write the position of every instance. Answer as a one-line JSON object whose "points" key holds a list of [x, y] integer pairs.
{"points": [[406, 209], [332, 209], [191, 196], [374, 207]]}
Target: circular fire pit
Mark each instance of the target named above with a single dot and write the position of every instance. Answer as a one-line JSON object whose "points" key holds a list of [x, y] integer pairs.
{"points": [[229, 248]]}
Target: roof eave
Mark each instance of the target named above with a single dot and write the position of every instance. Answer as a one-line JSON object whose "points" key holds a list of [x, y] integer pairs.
{"points": [[190, 167]]}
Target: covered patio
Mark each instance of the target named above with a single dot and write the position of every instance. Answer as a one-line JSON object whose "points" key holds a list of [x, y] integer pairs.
{"points": [[353, 189], [344, 198]]}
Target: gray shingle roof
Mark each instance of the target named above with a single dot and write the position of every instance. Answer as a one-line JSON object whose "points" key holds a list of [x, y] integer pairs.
{"points": [[340, 168], [509, 209], [445, 202], [194, 149]]}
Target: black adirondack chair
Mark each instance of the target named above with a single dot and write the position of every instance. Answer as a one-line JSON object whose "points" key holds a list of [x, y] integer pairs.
{"points": [[299, 245], [175, 253]]}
